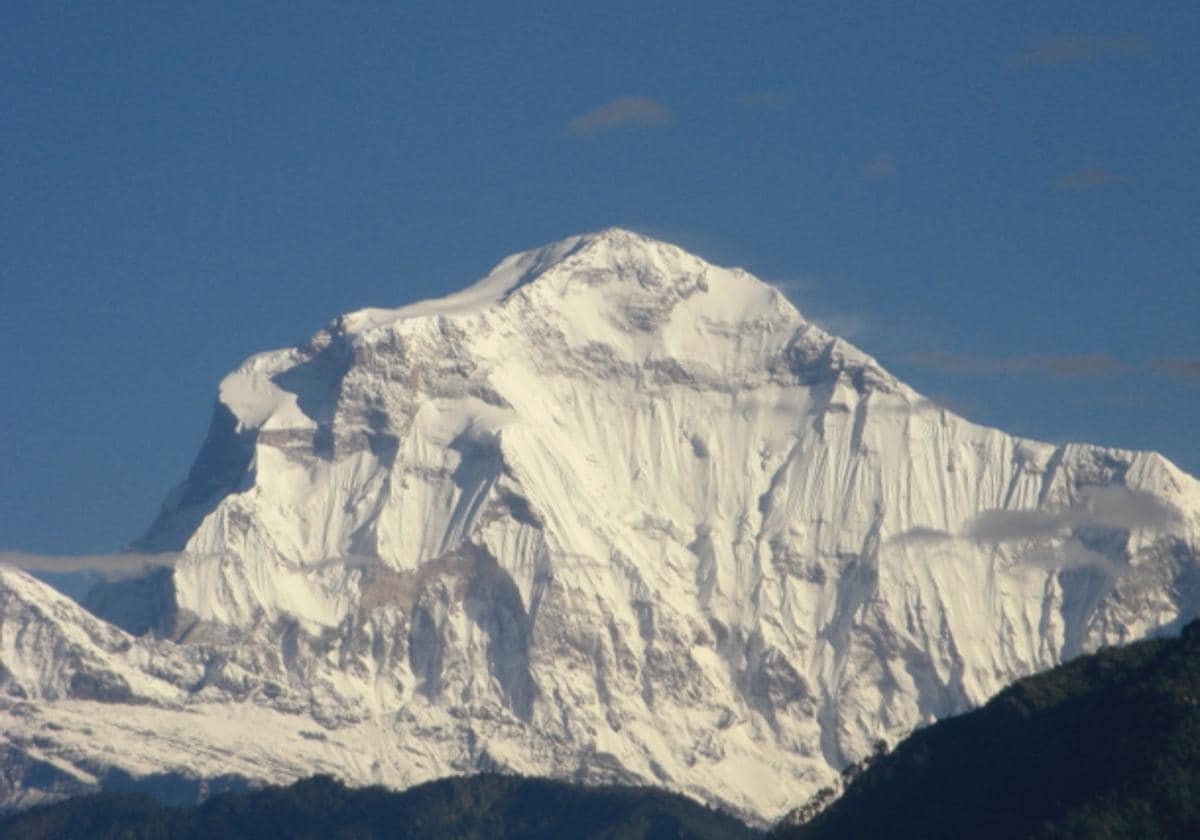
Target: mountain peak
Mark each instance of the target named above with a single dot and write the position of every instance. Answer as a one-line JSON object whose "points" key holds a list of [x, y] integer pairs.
{"points": [[603, 244], [591, 284], [615, 248], [611, 513], [604, 249]]}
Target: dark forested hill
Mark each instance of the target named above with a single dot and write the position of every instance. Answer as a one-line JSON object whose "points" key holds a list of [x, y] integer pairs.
{"points": [[485, 807], [1106, 746]]}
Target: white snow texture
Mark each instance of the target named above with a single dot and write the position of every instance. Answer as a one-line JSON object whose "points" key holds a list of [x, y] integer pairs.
{"points": [[612, 513]]}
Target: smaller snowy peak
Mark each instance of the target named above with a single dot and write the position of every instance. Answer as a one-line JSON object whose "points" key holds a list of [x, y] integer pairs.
{"points": [[52, 648]]}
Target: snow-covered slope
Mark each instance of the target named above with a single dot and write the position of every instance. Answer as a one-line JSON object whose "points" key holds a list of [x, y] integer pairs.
{"points": [[611, 513]]}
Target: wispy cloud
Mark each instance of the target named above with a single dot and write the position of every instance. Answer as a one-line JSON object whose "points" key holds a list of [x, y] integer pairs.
{"points": [[768, 99], [1009, 525], [1050, 536], [1183, 369], [1051, 555], [955, 405], [1045, 364], [1080, 366], [1073, 49], [127, 564], [797, 285], [1112, 507], [116, 565], [1070, 554], [879, 168], [626, 111], [1119, 507], [920, 536], [804, 292], [847, 325], [1089, 178]]}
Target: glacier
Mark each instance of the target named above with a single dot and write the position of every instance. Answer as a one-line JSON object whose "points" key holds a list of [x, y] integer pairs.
{"points": [[610, 514]]}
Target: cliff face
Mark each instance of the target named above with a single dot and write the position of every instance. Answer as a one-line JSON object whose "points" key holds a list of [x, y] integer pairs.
{"points": [[612, 513]]}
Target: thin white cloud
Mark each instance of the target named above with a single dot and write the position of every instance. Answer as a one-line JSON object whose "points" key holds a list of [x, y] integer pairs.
{"points": [[1061, 366], [114, 565], [1183, 369], [768, 99], [802, 291], [955, 405], [1069, 554], [1011, 525], [1076, 48], [1113, 507], [1050, 536], [879, 168], [843, 324], [922, 536], [125, 564], [625, 111], [1089, 178], [1064, 366], [1119, 507]]}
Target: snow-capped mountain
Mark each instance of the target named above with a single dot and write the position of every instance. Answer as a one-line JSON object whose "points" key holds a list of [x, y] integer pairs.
{"points": [[612, 513]]}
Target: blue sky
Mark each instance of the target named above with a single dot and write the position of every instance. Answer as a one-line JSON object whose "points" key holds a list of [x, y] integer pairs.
{"points": [[1000, 201]]}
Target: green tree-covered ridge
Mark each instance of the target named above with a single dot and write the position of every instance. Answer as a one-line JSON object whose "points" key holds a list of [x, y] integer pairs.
{"points": [[483, 807], [1104, 746]]}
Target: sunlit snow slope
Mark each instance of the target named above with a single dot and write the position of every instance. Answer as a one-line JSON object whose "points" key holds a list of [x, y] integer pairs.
{"points": [[611, 513]]}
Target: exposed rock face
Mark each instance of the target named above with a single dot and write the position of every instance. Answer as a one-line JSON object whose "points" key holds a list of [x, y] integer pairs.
{"points": [[613, 513]]}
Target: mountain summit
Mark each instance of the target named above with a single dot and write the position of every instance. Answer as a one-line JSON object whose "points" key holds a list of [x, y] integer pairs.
{"points": [[610, 514]]}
